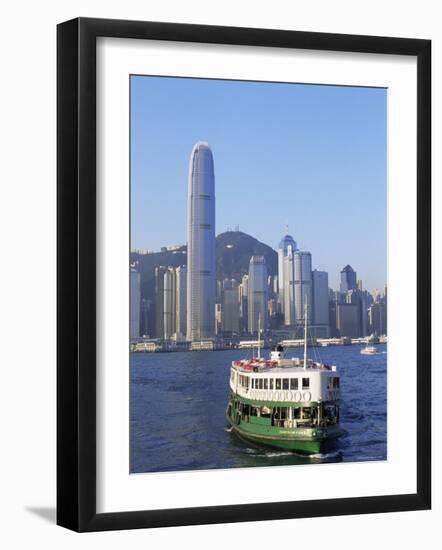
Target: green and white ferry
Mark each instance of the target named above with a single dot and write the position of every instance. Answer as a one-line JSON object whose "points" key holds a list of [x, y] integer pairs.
{"points": [[290, 404]]}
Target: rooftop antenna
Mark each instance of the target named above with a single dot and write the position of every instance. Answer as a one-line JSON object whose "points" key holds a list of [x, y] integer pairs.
{"points": [[305, 335]]}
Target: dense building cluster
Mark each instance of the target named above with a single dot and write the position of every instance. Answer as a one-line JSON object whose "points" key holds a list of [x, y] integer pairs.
{"points": [[191, 305]]}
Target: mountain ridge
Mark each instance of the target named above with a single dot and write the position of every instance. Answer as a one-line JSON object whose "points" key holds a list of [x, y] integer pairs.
{"points": [[233, 252]]}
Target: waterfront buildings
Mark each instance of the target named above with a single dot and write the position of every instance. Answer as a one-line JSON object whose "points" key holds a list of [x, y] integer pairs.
{"points": [[135, 303], [201, 244], [257, 294]]}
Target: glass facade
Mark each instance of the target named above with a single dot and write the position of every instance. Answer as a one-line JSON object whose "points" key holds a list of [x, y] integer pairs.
{"points": [[201, 286]]}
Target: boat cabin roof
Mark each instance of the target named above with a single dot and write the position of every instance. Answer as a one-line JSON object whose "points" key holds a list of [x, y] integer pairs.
{"points": [[280, 367]]}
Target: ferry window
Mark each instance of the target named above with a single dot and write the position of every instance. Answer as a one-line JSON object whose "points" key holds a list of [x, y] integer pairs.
{"points": [[247, 381], [271, 383], [336, 382], [305, 383], [266, 412], [330, 383], [260, 383], [285, 383], [293, 383], [278, 383], [297, 413], [266, 383]]}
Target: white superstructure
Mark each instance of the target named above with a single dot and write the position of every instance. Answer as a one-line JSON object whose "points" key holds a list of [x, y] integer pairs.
{"points": [[285, 380]]}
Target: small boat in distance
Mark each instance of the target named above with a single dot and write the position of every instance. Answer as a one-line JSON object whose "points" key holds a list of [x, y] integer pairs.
{"points": [[290, 404], [369, 350]]}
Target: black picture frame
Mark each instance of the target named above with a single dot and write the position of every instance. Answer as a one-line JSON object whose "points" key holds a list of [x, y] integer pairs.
{"points": [[76, 273]]}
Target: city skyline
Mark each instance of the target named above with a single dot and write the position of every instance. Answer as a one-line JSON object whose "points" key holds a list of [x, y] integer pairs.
{"points": [[220, 309], [350, 213]]}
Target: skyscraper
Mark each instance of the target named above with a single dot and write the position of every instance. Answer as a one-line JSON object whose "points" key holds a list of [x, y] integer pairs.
{"points": [[320, 298], [303, 284], [181, 301], [169, 303], [201, 286], [347, 320], [230, 307], [360, 298], [288, 273], [283, 249], [243, 303], [135, 302], [348, 279], [159, 301], [257, 294]]}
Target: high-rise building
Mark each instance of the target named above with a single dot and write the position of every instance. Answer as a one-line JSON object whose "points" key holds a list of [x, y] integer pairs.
{"points": [[135, 302], [348, 279], [230, 307], [201, 287], [377, 317], [283, 249], [169, 303], [147, 317], [320, 299], [360, 299], [347, 320], [181, 302], [159, 301], [243, 303], [288, 273], [303, 285], [257, 294]]}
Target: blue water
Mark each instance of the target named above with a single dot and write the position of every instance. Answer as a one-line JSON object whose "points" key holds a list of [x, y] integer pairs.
{"points": [[178, 402]]}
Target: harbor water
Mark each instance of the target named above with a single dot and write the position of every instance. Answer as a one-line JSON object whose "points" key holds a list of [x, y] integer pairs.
{"points": [[178, 402]]}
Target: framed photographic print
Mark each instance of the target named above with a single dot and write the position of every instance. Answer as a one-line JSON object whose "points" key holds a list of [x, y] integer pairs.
{"points": [[243, 274]]}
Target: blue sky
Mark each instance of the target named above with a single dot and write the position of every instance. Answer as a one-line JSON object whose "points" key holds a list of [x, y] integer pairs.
{"points": [[313, 157]]}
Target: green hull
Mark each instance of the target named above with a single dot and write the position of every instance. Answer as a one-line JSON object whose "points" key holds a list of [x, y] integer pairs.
{"points": [[305, 446], [306, 440]]}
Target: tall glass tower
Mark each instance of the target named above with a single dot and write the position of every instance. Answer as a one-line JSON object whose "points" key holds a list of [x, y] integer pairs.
{"points": [[201, 245]]}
